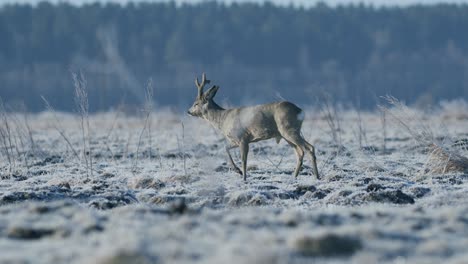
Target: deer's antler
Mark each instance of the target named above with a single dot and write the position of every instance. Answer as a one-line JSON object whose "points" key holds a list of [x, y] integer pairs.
{"points": [[201, 85]]}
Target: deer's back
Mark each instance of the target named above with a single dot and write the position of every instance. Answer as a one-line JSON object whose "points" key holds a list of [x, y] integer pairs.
{"points": [[261, 122]]}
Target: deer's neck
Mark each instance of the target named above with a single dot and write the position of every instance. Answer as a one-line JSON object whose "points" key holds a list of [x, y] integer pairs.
{"points": [[215, 115]]}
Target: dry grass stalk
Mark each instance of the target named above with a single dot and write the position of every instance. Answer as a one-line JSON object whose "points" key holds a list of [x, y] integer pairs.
{"points": [[82, 104], [182, 148], [147, 110], [409, 120], [22, 146], [109, 133], [360, 130], [56, 125], [330, 110], [6, 138], [383, 120]]}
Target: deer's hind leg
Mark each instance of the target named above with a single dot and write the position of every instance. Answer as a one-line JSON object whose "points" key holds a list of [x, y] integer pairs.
{"points": [[299, 156], [300, 159], [236, 169], [311, 150], [295, 139]]}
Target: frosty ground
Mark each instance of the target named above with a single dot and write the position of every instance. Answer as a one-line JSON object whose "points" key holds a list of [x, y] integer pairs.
{"points": [[161, 192]]}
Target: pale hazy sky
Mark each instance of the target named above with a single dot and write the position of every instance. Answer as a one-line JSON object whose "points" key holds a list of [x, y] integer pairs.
{"points": [[296, 2]]}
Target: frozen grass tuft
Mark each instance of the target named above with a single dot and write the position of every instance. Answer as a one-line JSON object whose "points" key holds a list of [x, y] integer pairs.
{"points": [[145, 182], [442, 161], [442, 157]]}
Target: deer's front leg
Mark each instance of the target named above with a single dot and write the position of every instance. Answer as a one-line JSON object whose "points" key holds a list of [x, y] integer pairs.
{"points": [[236, 169], [244, 150]]}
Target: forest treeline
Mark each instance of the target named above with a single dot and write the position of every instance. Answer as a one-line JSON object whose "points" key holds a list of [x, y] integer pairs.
{"points": [[255, 52]]}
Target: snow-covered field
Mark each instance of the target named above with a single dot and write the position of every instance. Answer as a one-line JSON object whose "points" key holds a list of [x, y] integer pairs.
{"points": [[166, 195]]}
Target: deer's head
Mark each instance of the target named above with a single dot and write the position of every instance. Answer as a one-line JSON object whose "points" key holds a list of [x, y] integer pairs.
{"points": [[204, 100]]}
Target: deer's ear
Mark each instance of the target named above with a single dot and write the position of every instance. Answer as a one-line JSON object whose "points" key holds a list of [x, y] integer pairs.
{"points": [[211, 92]]}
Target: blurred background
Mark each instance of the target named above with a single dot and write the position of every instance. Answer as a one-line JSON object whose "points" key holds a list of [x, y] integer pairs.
{"points": [[256, 51]]}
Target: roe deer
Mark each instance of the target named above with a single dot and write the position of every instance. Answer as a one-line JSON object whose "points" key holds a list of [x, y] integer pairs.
{"points": [[245, 125]]}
